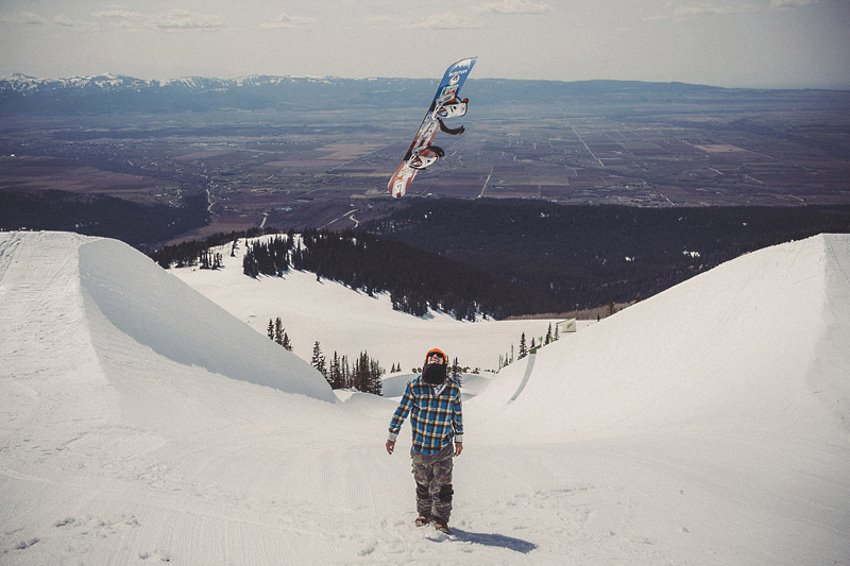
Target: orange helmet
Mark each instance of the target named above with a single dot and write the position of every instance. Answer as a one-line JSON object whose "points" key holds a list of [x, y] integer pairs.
{"points": [[438, 352]]}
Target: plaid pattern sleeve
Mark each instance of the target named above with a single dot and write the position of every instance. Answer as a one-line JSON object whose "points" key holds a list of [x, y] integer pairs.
{"points": [[436, 416], [401, 412]]}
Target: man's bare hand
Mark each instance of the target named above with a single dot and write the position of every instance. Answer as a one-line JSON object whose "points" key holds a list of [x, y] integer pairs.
{"points": [[458, 448], [390, 446]]}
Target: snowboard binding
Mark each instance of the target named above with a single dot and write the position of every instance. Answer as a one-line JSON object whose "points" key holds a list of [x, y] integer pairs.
{"points": [[453, 109], [426, 157]]}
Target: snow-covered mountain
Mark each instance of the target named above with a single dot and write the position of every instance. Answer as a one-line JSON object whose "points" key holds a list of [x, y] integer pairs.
{"points": [[19, 82], [707, 425], [108, 93]]}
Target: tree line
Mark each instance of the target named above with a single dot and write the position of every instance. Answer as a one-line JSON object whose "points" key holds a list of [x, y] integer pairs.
{"points": [[565, 258], [268, 258], [190, 253], [524, 348], [416, 281], [363, 374]]}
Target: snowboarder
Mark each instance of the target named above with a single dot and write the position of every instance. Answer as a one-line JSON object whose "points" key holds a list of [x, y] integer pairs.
{"points": [[433, 401]]}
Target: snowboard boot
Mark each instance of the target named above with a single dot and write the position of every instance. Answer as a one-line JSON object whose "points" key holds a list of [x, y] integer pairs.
{"points": [[442, 526], [422, 520]]}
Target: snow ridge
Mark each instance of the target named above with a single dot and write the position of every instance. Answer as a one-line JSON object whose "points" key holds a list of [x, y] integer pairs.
{"points": [[157, 310]]}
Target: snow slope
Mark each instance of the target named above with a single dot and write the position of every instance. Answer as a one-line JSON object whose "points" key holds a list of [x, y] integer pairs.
{"points": [[707, 425], [734, 384], [177, 323]]}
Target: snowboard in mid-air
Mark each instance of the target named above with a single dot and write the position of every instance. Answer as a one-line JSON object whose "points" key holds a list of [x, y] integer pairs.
{"points": [[446, 104]]}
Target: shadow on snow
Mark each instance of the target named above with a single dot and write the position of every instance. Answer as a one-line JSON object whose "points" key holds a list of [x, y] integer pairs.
{"points": [[492, 539]]}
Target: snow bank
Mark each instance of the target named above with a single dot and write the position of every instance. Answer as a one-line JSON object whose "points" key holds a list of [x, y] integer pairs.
{"points": [[726, 399], [159, 311], [747, 341]]}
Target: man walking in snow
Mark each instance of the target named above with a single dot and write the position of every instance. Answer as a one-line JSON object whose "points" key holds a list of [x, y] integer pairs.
{"points": [[436, 419]]}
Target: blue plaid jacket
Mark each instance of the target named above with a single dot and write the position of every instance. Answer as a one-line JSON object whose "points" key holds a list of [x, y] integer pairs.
{"points": [[436, 415]]}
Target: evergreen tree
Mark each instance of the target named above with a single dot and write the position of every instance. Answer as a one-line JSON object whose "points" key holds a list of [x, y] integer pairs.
{"points": [[557, 333], [267, 258], [360, 373], [318, 360], [336, 377], [375, 372], [366, 375], [456, 375], [548, 338], [523, 349], [346, 372], [278, 331]]}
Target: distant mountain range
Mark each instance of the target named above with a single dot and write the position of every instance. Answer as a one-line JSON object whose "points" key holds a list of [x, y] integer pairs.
{"points": [[104, 94], [24, 83], [118, 93]]}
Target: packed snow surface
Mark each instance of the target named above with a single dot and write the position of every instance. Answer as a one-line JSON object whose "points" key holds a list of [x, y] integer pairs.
{"points": [[140, 422]]}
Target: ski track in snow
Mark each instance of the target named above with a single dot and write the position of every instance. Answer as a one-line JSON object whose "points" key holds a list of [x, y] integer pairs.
{"points": [[667, 434]]}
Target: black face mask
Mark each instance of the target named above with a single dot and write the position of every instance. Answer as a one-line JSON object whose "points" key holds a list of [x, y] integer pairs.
{"points": [[434, 374]]}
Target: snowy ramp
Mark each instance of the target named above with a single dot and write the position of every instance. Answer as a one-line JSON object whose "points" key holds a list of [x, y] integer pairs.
{"points": [[159, 311], [765, 337], [725, 400]]}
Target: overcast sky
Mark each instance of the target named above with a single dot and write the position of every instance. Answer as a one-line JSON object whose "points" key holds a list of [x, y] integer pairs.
{"points": [[751, 43]]}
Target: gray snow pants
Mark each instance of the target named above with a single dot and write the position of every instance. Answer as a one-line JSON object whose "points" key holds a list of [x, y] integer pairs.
{"points": [[433, 476]]}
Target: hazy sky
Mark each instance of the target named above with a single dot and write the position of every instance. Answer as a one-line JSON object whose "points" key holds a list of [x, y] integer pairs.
{"points": [[775, 43]]}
